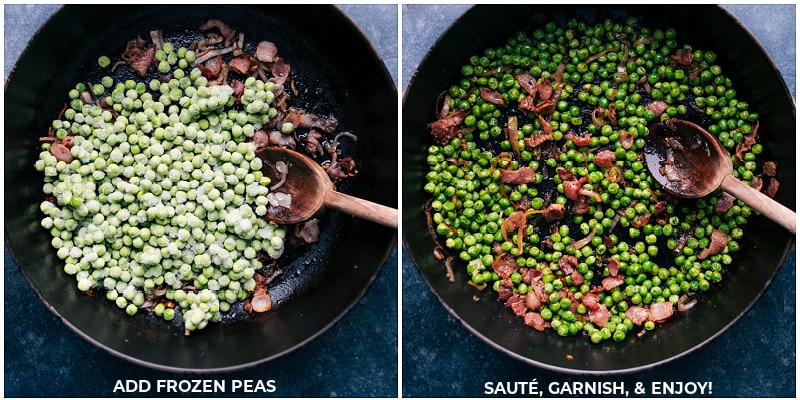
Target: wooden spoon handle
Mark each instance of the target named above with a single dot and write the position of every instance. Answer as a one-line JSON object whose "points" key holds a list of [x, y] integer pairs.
{"points": [[362, 208], [761, 203]]}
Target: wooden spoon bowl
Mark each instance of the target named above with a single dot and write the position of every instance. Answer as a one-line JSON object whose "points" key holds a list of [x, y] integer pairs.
{"points": [[311, 189]]}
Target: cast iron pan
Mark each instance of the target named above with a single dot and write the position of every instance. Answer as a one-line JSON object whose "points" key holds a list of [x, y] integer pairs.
{"points": [[337, 72], [763, 250]]}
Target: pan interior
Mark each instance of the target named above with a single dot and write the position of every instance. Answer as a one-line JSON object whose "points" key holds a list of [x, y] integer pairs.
{"points": [[716, 310], [319, 284]]}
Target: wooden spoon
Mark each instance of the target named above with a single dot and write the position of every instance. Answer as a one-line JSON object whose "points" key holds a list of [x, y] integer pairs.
{"points": [[689, 162], [311, 189]]}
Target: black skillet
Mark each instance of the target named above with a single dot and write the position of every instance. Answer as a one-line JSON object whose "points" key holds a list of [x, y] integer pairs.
{"points": [[337, 73], [763, 250]]}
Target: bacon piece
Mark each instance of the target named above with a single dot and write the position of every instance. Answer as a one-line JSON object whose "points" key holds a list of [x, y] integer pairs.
{"points": [[532, 301], [604, 158], [530, 274], [444, 129], [266, 51], [724, 203], [535, 321], [659, 312], [536, 140], [591, 301], [554, 212], [528, 103], [642, 220], [308, 231], [238, 89], [613, 266], [61, 152], [579, 141], [312, 144], [504, 266], [546, 107], [577, 278], [528, 83], [224, 29], [506, 290], [657, 107], [772, 188], [517, 304], [611, 282], [492, 96], [260, 138], [683, 57], [522, 175], [302, 119], [342, 169], [545, 90], [211, 67], [240, 65], [599, 316], [278, 138], [719, 240], [770, 168], [573, 187], [567, 263], [280, 72], [638, 315], [143, 60]]}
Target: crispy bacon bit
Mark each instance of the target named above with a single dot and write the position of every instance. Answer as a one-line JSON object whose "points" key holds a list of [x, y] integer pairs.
{"points": [[719, 240], [772, 188], [546, 107], [579, 141], [604, 158], [613, 266], [591, 301], [517, 304], [573, 187], [266, 51], [611, 282], [342, 169], [757, 182], [545, 90], [683, 57], [724, 203], [444, 129], [302, 119], [492, 96], [308, 231], [139, 56], [522, 175], [280, 72], [240, 65], [532, 301], [535, 321], [566, 263], [224, 29], [506, 289], [770, 168], [211, 67], [528, 83], [599, 316], [657, 107], [642, 220], [746, 145], [659, 312], [638, 315], [528, 103], [238, 89], [514, 221], [536, 140], [504, 266], [61, 152], [554, 212]]}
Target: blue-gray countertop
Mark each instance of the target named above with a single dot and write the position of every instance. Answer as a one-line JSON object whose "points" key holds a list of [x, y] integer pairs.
{"points": [[755, 358], [44, 358]]}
